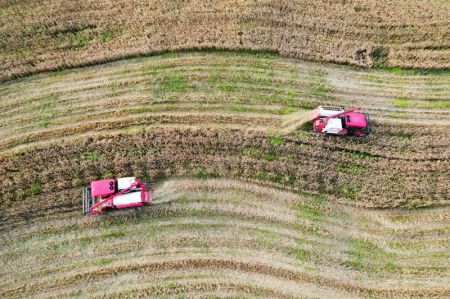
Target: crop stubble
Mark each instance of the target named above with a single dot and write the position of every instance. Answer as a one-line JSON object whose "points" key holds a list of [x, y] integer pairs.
{"points": [[174, 235]]}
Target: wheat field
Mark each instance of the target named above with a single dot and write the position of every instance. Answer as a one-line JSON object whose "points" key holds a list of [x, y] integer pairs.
{"points": [[209, 101], [249, 202], [49, 34]]}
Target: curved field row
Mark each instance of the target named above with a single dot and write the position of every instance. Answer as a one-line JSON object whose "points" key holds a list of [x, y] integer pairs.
{"points": [[199, 235], [201, 89], [372, 33]]}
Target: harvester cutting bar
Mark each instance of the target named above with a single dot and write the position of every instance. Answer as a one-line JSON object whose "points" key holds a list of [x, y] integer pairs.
{"points": [[88, 200]]}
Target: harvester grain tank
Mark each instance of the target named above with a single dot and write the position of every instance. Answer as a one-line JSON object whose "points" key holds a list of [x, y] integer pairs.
{"points": [[115, 194]]}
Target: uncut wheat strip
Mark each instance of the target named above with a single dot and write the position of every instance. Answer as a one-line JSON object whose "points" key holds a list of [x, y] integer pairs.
{"points": [[417, 148], [380, 142], [202, 121], [300, 18], [356, 26], [399, 165], [429, 59], [266, 8]]}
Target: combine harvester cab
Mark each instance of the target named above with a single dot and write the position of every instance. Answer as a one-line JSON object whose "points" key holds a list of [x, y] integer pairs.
{"points": [[337, 121], [115, 194]]}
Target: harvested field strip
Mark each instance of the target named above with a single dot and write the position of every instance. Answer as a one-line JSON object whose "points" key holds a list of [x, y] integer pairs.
{"points": [[159, 90], [386, 33], [135, 110], [140, 119], [256, 70], [225, 225]]}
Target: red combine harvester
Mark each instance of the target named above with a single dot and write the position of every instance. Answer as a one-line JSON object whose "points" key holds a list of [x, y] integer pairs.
{"points": [[115, 194], [337, 121]]}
